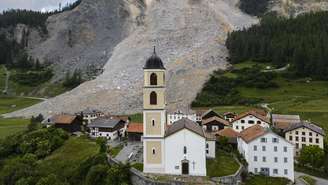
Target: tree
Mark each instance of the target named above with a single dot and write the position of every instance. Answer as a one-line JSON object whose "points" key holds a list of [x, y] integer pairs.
{"points": [[311, 155], [50, 180], [101, 141]]}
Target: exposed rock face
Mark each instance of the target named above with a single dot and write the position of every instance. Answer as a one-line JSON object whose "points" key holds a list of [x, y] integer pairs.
{"points": [[189, 35], [296, 7]]}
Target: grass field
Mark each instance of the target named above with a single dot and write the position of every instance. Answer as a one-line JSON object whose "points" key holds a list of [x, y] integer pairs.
{"points": [[116, 150], [12, 126], [223, 165], [309, 180], [64, 161], [10, 104], [262, 180]]}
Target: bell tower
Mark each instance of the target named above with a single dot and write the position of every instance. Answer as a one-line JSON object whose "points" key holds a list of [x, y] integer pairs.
{"points": [[154, 115]]}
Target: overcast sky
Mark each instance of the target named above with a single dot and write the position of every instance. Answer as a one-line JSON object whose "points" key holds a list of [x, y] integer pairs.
{"points": [[42, 5]]}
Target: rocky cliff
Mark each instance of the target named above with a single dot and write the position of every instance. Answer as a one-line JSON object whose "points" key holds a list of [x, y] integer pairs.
{"points": [[189, 36]]}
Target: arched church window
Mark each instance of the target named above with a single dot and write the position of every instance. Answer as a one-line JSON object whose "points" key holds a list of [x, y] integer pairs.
{"points": [[184, 150], [153, 79], [153, 122], [153, 98], [154, 152]]}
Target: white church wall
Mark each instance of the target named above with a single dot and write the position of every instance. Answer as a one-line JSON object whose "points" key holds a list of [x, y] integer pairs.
{"points": [[210, 149], [174, 153]]}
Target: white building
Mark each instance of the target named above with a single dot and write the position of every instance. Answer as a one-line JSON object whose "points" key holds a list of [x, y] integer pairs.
{"points": [[90, 114], [305, 134], [176, 116], [266, 152], [248, 119], [176, 149], [107, 128]]}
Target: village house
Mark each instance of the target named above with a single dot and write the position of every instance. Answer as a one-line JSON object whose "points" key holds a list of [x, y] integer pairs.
{"points": [[266, 152], [248, 119], [67, 122], [135, 131], [229, 116], [108, 128], [90, 114], [304, 134], [282, 121], [230, 134], [214, 124], [177, 115]]}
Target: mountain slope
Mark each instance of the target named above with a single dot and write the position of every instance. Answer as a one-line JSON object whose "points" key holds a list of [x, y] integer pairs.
{"points": [[189, 35]]}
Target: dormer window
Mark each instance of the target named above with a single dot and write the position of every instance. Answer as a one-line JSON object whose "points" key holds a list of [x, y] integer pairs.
{"points": [[153, 79]]}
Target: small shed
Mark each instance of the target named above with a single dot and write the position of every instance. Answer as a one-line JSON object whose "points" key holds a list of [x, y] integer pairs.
{"points": [[135, 131]]}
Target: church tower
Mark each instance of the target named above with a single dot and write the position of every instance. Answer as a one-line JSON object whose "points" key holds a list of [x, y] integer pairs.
{"points": [[154, 115]]}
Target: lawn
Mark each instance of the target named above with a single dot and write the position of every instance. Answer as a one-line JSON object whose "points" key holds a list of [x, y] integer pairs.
{"points": [[224, 164], [12, 126], [10, 104], [309, 180], [262, 180], [64, 161], [138, 166], [116, 150], [137, 118]]}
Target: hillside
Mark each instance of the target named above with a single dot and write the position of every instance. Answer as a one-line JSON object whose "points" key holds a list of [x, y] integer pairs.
{"points": [[189, 36]]}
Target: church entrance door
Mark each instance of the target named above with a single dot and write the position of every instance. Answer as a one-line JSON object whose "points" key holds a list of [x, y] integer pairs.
{"points": [[185, 167]]}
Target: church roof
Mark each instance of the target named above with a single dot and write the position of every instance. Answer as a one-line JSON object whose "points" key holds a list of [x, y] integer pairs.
{"points": [[154, 62], [184, 123]]}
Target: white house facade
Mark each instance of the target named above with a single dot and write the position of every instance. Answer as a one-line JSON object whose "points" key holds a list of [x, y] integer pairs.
{"points": [[305, 134], [248, 119], [266, 152], [110, 129], [176, 116]]}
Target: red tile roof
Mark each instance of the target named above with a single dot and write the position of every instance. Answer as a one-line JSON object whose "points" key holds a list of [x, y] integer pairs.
{"points": [[64, 119], [135, 127], [228, 132], [215, 118], [252, 133], [253, 113]]}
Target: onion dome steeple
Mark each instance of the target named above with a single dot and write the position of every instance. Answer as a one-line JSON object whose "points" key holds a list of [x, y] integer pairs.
{"points": [[154, 62]]}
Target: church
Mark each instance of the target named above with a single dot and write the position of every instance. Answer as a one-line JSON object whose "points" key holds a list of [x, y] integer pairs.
{"points": [[177, 149]]}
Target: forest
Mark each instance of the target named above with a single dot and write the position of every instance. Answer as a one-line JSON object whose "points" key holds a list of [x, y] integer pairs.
{"points": [[300, 42]]}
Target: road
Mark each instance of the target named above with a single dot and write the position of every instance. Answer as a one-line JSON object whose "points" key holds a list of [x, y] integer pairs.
{"points": [[320, 181]]}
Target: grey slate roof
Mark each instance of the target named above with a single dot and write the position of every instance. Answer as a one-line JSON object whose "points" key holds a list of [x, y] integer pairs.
{"points": [[104, 123], [308, 125], [184, 123]]}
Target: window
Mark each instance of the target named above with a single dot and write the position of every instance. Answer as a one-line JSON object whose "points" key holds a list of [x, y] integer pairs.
{"points": [[255, 170], [310, 133], [263, 148], [274, 140], [255, 158], [297, 146], [317, 140], [207, 152], [153, 79], [310, 140], [259, 122], [206, 145], [255, 148], [264, 159], [275, 159], [153, 150], [242, 127], [285, 159], [237, 127], [275, 148], [275, 171], [296, 132], [290, 138], [263, 140], [242, 121], [296, 138], [285, 171], [303, 139], [251, 121], [285, 148], [184, 150], [153, 123], [303, 133], [153, 98]]}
